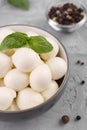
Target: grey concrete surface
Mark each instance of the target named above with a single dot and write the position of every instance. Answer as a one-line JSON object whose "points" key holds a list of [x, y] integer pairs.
{"points": [[74, 99]]}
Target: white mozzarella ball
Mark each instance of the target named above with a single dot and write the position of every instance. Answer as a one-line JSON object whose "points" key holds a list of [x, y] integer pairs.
{"points": [[53, 53], [6, 97], [40, 78], [16, 79], [27, 98], [25, 59], [51, 90], [5, 64], [1, 82], [5, 32], [58, 67], [13, 107], [31, 34]]}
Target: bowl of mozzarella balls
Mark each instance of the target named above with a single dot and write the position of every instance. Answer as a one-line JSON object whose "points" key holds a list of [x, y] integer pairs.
{"points": [[34, 69]]}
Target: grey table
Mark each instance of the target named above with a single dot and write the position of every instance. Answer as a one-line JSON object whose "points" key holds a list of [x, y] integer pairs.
{"points": [[74, 99]]}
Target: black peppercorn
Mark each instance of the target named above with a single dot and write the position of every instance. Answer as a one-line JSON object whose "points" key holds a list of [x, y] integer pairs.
{"points": [[78, 62], [82, 82], [65, 119], [78, 117], [82, 63]]}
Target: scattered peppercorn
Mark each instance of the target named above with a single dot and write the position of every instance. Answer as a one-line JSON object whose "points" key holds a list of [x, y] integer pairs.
{"points": [[67, 14], [65, 119], [82, 63], [78, 62], [82, 82], [78, 117]]}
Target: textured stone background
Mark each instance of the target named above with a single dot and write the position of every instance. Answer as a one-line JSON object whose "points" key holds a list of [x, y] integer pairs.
{"points": [[74, 99]]}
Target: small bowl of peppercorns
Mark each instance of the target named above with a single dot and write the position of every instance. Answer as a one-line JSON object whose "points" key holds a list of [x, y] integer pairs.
{"points": [[67, 16]]}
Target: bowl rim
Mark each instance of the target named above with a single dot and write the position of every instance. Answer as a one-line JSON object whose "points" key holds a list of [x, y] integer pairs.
{"points": [[73, 25], [62, 84]]}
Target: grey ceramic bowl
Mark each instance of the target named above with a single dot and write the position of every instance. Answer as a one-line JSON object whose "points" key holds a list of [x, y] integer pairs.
{"points": [[38, 110], [67, 28]]}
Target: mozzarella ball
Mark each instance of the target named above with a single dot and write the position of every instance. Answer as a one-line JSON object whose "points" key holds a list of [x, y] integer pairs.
{"points": [[13, 107], [27, 98], [40, 78], [51, 90], [58, 67], [53, 53], [31, 34], [16, 79], [5, 64], [25, 59], [1, 82], [6, 97], [5, 32]]}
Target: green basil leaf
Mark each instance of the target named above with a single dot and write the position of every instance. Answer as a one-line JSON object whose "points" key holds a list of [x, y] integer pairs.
{"points": [[39, 44], [24, 4], [14, 40]]}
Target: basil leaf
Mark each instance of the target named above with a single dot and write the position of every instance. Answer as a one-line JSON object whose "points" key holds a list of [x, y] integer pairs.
{"points": [[24, 4], [14, 40], [39, 44]]}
